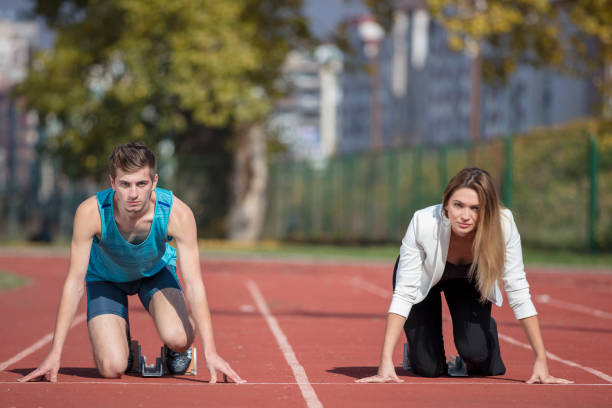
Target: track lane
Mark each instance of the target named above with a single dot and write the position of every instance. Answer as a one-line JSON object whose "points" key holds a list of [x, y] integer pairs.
{"points": [[335, 330], [240, 334]]}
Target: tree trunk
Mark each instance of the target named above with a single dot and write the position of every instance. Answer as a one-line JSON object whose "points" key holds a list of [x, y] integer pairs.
{"points": [[204, 166], [248, 186]]}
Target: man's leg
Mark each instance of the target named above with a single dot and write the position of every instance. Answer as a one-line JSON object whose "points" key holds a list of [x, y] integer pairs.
{"points": [[108, 336], [169, 312], [108, 326], [162, 296]]}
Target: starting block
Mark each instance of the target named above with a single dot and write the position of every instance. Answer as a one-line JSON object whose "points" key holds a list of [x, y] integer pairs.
{"points": [[158, 369], [406, 362]]}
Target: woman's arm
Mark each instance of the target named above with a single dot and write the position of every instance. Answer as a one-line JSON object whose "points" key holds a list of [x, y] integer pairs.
{"points": [[519, 298], [386, 370], [540, 372], [407, 282]]}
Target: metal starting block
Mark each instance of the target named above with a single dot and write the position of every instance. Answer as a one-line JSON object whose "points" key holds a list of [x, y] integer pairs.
{"points": [[139, 362], [406, 362]]}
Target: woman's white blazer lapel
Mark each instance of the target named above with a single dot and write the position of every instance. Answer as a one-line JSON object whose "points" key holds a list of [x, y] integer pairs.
{"points": [[442, 238]]}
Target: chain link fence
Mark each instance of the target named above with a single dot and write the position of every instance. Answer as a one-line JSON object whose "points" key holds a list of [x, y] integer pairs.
{"points": [[546, 178], [557, 182]]}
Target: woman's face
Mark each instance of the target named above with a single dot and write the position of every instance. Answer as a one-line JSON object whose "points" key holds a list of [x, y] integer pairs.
{"points": [[462, 209]]}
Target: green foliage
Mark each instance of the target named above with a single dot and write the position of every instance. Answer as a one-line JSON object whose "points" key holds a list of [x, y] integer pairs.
{"points": [[574, 36], [155, 69]]}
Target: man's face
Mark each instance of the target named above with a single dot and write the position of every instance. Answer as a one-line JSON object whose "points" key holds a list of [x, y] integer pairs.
{"points": [[133, 190]]}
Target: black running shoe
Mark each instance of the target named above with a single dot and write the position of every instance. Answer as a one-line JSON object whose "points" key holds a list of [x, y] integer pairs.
{"points": [[130, 359], [178, 363]]}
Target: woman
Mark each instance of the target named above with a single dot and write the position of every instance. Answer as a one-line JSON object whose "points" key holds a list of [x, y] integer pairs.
{"points": [[462, 247]]}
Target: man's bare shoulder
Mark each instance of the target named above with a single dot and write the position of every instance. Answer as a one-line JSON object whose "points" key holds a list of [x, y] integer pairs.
{"points": [[89, 206], [87, 216], [181, 218], [180, 210]]}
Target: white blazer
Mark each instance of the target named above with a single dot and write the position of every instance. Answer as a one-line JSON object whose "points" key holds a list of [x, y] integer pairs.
{"points": [[423, 258]]}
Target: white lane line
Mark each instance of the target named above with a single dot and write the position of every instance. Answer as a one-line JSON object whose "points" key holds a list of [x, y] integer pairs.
{"points": [[573, 306], [309, 394], [359, 283], [363, 284], [353, 383], [40, 343], [554, 357]]}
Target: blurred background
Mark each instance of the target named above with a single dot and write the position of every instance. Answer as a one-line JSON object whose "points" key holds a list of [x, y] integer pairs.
{"points": [[311, 121]]}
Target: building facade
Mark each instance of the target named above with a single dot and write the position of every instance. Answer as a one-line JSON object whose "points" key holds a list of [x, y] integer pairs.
{"points": [[417, 91]]}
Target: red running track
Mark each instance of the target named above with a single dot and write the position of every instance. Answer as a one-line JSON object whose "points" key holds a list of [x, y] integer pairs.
{"points": [[301, 333]]}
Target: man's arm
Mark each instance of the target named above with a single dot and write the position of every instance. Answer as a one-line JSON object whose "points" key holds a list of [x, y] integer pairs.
{"points": [[86, 224], [182, 227]]}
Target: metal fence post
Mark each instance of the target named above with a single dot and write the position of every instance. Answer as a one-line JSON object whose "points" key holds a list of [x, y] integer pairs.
{"points": [[508, 170], [442, 153], [593, 197], [393, 189], [418, 178]]}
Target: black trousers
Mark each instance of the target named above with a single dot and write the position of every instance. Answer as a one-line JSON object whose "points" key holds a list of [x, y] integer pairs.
{"points": [[474, 330]]}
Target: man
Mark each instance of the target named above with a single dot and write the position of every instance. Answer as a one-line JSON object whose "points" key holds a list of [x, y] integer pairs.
{"points": [[120, 247]]}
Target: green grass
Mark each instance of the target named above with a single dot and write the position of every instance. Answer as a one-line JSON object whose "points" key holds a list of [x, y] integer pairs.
{"points": [[290, 250], [567, 258], [8, 281], [386, 253]]}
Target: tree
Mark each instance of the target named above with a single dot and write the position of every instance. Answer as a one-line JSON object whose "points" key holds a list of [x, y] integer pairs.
{"points": [[573, 36], [201, 73]]}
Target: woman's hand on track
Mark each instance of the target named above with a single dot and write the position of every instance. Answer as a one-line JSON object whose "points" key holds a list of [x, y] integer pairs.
{"points": [[541, 375], [49, 366], [215, 363], [386, 373]]}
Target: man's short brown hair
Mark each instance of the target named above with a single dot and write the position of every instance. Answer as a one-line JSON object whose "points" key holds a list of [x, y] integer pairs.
{"points": [[131, 157]]}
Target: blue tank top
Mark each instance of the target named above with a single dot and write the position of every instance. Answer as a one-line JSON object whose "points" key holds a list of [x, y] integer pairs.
{"points": [[114, 259]]}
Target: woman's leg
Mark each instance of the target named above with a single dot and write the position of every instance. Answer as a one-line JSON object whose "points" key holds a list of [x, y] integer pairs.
{"points": [[474, 330], [423, 330]]}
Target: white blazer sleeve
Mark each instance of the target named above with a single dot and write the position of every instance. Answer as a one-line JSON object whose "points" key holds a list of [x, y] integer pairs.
{"points": [[409, 272], [515, 282]]}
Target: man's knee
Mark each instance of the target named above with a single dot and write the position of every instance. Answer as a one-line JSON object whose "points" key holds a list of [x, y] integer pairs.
{"points": [[112, 367], [178, 339]]}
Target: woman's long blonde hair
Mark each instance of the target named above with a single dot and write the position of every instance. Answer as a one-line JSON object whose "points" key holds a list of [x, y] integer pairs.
{"points": [[488, 248]]}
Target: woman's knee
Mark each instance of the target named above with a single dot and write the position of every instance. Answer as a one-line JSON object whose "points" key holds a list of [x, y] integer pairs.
{"points": [[477, 343], [475, 352], [427, 366]]}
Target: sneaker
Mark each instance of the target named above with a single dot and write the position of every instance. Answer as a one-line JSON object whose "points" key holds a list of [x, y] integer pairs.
{"points": [[178, 363], [457, 367], [130, 359]]}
